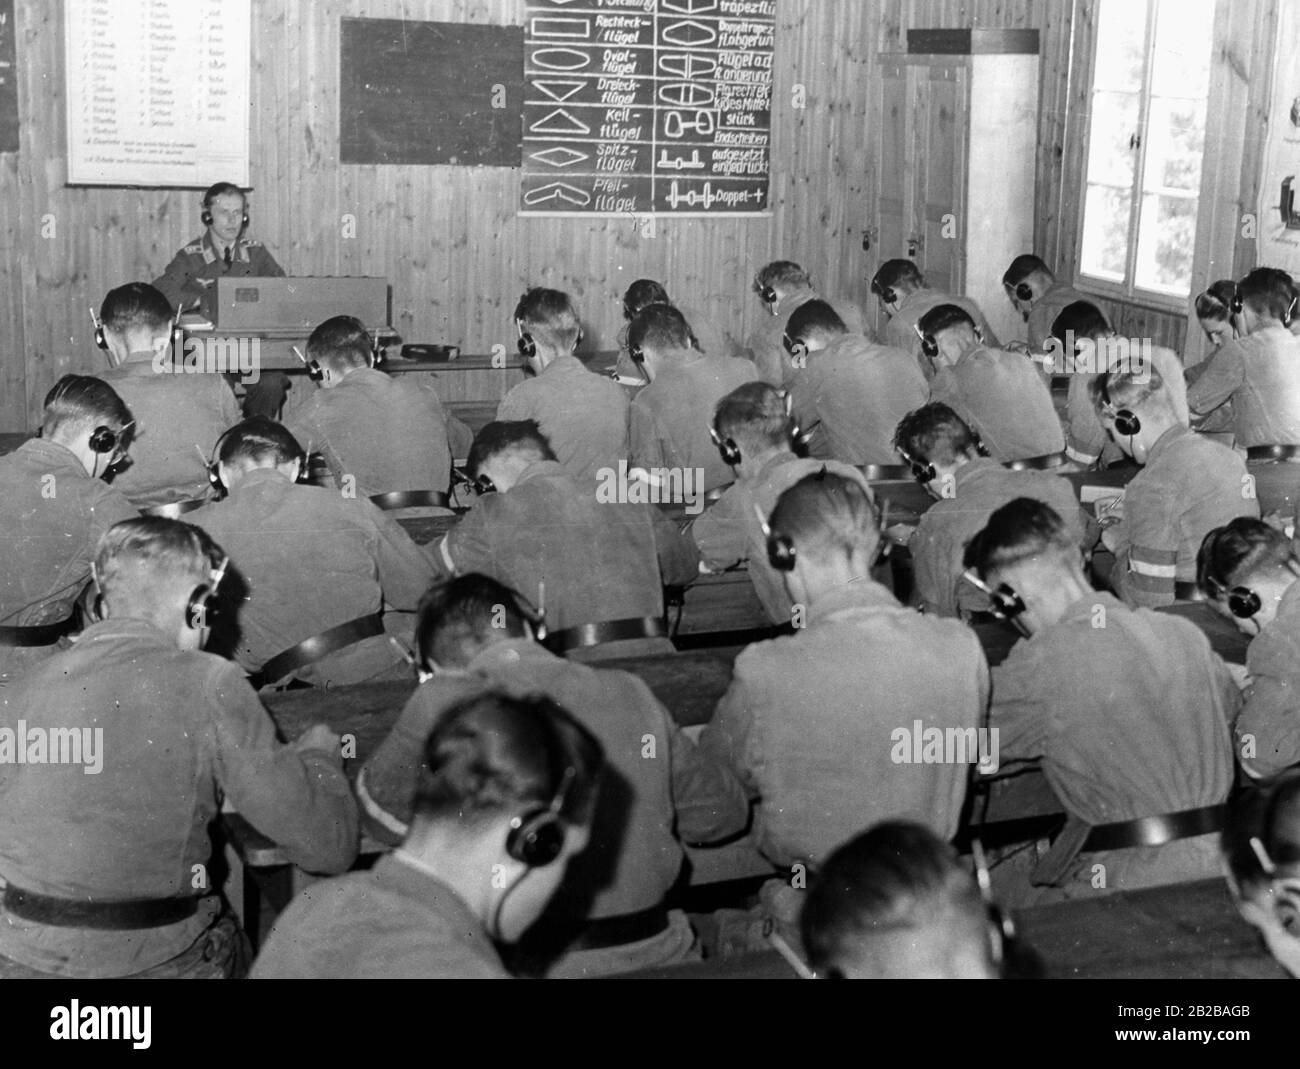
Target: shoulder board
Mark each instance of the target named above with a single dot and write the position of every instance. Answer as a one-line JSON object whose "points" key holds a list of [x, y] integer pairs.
{"points": [[193, 250], [250, 244]]}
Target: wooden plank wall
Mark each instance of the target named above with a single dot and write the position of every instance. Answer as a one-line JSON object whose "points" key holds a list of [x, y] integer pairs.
{"points": [[447, 237]]}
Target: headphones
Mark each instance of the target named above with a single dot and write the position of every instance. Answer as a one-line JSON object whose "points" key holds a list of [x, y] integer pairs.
{"points": [[929, 345], [104, 440], [922, 470], [483, 485], [1006, 603], [886, 293], [727, 447], [1022, 290], [204, 599], [101, 339], [1238, 304], [536, 836], [535, 615], [780, 550], [1126, 420], [527, 347], [794, 348], [213, 464], [1243, 602], [207, 206]]}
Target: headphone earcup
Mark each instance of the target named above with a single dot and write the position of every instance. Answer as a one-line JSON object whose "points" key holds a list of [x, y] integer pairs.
{"points": [[1238, 305], [730, 452], [769, 295], [1008, 603], [780, 552], [1127, 423], [888, 295], [101, 339], [536, 838], [198, 609], [923, 473], [929, 346], [206, 217], [527, 347], [1243, 602], [103, 440], [1024, 292]]}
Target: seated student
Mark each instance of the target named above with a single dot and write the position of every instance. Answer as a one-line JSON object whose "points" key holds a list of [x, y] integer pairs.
{"points": [[669, 419], [905, 297], [945, 455], [1035, 293], [1260, 374], [1261, 851], [385, 433], [1088, 345], [999, 394], [1128, 711], [782, 287], [713, 339], [53, 509], [756, 437], [179, 416], [603, 563], [475, 634], [1188, 486], [108, 874], [894, 903], [848, 393], [1248, 570], [312, 561], [503, 804], [583, 415], [811, 722], [1215, 315]]}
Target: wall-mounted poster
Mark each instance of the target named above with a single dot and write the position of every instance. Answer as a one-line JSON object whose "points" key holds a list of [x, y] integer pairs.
{"points": [[1279, 195]]}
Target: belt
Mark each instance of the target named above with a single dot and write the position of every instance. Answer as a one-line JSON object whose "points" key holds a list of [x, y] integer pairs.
{"points": [[620, 930], [124, 915], [1187, 592], [1048, 460], [313, 649], [174, 510], [581, 635], [410, 499], [1156, 831], [40, 635], [886, 472], [1273, 452]]}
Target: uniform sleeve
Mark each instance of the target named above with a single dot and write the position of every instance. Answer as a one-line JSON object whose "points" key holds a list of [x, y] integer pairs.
{"points": [[648, 442], [1019, 708], [177, 283], [405, 571], [990, 338], [932, 562], [266, 264], [1220, 380], [1150, 530], [1085, 438], [721, 532], [467, 547], [1269, 725], [301, 800], [679, 559], [728, 737], [514, 407]]}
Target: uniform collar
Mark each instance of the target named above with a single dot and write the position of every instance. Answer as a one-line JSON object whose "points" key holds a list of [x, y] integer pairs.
{"points": [[211, 253], [975, 469], [775, 461], [539, 469], [791, 301], [123, 627], [509, 653], [360, 376], [403, 874], [1166, 441], [258, 477], [860, 594], [59, 457], [567, 362], [914, 298]]}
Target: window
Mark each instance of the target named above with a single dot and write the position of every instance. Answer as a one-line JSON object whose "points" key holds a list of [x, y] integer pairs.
{"points": [[1150, 84]]}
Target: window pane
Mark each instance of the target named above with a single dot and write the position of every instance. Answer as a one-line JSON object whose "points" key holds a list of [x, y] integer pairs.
{"points": [[1180, 63], [1175, 144], [1165, 244], [1105, 232], [1121, 46], [1114, 120]]}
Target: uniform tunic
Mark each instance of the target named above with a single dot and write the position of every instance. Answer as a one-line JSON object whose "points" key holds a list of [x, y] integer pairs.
{"points": [[851, 396], [1271, 713], [174, 413], [583, 415], [313, 559], [188, 279], [670, 418], [1189, 486], [181, 731], [1004, 400], [900, 330], [394, 922], [1051, 304], [770, 357], [1260, 374], [810, 722], [600, 561], [981, 487], [387, 433]]}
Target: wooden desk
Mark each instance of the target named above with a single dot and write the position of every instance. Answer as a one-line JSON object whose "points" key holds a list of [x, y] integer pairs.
{"points": [[479, 379], [1187, 931]]}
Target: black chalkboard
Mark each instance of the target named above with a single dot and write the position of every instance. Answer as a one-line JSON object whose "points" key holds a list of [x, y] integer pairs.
{"points": [[9, 79], [430, 92]]}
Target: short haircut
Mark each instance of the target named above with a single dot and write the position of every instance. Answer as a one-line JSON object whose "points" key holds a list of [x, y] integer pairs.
{"points": [[1127, 389], [83, 401], [895, 273], [812, 318], [944, 317], [257, 440], [660, 327], [784, 273], [895, 880], [492, 754], [549, 316], [1084, 318], [522, 436], [825, 515], [341, 342], [1229, 555], [1269, 292], [1216, 302], [1269, 812], [137, 559], [223, 189], [1025, 266], [754, 417], [458, 617], [934, 433], [1019, 530], [133, 307], [643, 292]]}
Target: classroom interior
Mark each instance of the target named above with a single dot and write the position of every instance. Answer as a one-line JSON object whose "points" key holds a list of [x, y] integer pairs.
{"points": [[1134, 151]]}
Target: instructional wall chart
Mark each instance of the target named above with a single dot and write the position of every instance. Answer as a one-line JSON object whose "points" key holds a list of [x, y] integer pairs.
{"points": [[157, 91], [647, 106]]}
